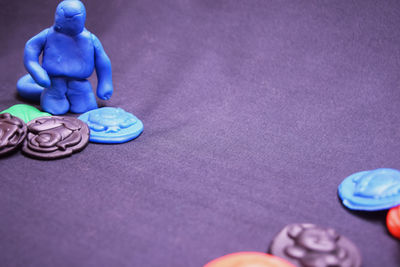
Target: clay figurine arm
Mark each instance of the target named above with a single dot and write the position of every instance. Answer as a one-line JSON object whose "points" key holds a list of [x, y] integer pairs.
{"points": [[103, 70], [33, 49]]}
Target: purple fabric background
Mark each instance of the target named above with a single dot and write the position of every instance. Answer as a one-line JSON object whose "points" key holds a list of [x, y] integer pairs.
{"points": [[254, 112]]}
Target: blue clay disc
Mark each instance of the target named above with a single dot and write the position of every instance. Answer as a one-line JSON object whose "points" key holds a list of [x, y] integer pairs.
{"points": [[112, 125], [371, 190]]}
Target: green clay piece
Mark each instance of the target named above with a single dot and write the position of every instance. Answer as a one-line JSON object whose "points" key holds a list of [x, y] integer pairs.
{"points": [[25, 112]]}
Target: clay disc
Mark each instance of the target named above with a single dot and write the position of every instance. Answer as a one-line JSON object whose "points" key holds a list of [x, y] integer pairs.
{"points": [[55, 137], [12, 132], [249, 259], [308, 245]]}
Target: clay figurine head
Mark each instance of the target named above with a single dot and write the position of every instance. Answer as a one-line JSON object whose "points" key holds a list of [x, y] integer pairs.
{"points": [[70, 17]]}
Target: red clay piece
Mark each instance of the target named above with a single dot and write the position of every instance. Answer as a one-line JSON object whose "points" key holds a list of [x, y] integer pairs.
{"points": [[248, 259], [393, 221]]}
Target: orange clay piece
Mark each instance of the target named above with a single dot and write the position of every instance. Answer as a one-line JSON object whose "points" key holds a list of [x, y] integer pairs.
{"points": [[248, 259], [393, 221]]}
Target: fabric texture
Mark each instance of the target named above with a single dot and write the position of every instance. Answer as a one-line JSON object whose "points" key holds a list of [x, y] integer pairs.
{"points": [[253, 111]]}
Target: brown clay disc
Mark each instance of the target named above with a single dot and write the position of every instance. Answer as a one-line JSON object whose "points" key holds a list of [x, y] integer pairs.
{"points": [[12, 133], [55, 137]]}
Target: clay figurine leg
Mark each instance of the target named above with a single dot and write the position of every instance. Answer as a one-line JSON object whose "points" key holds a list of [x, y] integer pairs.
{"points": [[53, 99], [80, 95], [29, 89]]}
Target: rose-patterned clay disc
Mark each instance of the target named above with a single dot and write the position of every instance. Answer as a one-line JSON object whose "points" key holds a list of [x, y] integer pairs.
{"points": [[55, 137], [308, 245], [12, 133]]}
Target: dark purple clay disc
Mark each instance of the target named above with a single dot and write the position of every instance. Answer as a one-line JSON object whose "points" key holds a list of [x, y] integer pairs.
{"points": [[308, 245], [55, 137], [12, 133]]}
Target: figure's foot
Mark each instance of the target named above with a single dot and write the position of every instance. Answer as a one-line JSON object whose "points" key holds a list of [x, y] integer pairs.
{"points": [[54, 100], [29, 89], [54, 105], [81, 96], [82, 107]]}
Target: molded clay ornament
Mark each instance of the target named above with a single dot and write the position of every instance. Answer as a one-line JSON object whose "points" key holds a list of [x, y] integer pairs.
{"points": [[112, 125], [25, 112], [248, 259], [308, 245], [55, 137], [12, 132], [371, 190], [393, 221]]}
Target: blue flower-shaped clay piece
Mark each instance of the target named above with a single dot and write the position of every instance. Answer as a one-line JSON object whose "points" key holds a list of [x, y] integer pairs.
{"points": [[112, 125], [371, 190]]}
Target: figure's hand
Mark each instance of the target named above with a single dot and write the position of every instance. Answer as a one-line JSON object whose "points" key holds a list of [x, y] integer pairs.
{"points": [[33, 49], [40, 76], [103, 70], [104, 90]]}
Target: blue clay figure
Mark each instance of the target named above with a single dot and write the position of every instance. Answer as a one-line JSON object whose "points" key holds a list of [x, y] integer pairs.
{"points": [[70, 55], [371, 190], [112, 125]]}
